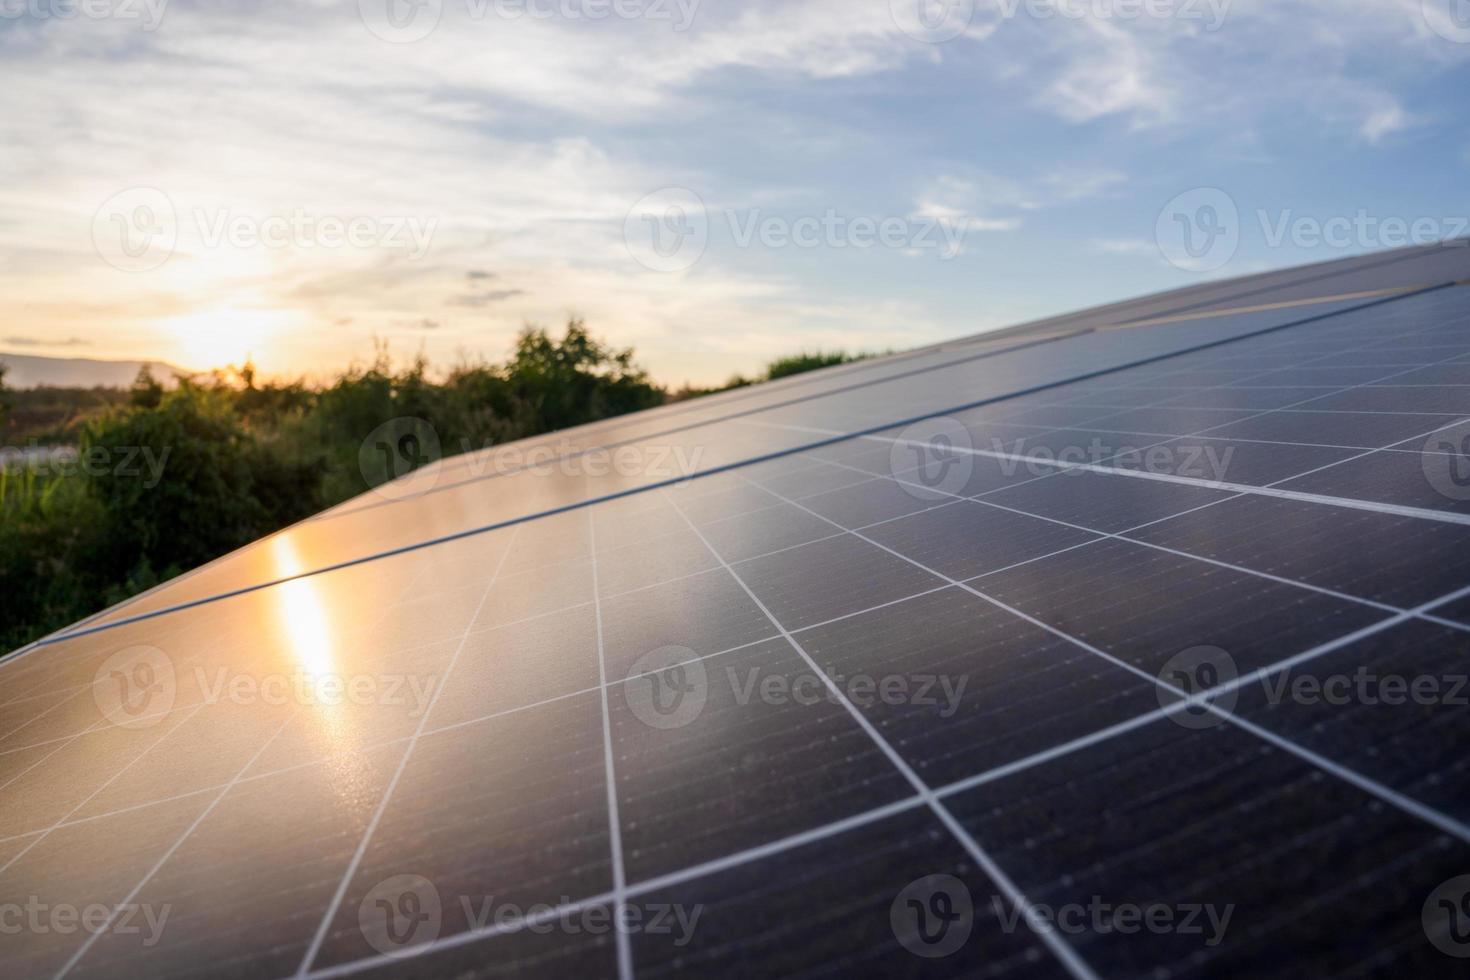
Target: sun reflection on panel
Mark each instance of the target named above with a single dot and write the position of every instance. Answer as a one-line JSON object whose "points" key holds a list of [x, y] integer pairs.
{"points": [[305, 626], [303, 614]]}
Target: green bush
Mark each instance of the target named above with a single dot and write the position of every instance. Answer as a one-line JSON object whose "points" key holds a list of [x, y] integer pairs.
{"points": [[186, 481], [785, 367], [170, 479]]}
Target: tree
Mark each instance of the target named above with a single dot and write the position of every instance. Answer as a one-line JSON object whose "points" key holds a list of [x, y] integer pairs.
{"points": [[576, 379], [185, 482], [147, 390], [785, 367], [170, 478]]}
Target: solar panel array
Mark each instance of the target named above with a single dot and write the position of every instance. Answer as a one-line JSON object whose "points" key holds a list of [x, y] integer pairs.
{"points": [[1128, 643]]}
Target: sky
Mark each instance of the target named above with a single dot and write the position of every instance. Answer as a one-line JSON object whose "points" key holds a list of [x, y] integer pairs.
{"points": [[713, 183]]}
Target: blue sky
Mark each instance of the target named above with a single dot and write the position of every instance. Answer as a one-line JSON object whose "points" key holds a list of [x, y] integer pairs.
{"points": [[198, 181]]}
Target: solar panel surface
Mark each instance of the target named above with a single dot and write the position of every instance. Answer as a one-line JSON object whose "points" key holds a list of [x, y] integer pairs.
{"points": [[1129, 643]]}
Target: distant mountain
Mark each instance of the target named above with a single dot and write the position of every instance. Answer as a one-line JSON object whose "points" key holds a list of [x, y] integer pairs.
{"points": [[29, 371]]}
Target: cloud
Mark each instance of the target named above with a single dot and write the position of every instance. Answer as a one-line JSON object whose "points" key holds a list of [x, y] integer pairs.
{"points": [[1382, 121], [476, 300], [978, 201], [45, 342], [1207, 65], [1124, 246], [1110, 70], [511, 138]]}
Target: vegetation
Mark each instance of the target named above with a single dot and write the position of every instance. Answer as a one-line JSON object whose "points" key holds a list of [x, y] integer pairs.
{"points": [[125, 489], [782, 367], [52, 416]]}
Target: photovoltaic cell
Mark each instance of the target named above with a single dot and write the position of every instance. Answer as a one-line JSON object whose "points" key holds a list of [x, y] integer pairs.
{"points": [[1246, 831], [467, 503], [1103, 647]]}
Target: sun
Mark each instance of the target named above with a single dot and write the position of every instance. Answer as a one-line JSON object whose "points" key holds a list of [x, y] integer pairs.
{"points": [[218, 337]]}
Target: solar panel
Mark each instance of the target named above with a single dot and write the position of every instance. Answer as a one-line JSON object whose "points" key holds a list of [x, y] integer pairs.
{"points": [[1126, 643]]}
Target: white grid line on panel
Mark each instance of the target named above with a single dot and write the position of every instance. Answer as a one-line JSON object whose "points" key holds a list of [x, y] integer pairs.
{"points": [[1063, 951]]}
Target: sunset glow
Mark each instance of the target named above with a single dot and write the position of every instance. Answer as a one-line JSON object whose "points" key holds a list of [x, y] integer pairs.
{"points": [[294, 183], [217, 337]]}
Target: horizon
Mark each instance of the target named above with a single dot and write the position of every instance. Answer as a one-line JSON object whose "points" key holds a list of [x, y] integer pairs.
{"points": [[238, 185]]}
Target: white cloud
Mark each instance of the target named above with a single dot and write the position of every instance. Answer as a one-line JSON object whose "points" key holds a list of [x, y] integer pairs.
{"points": [[1124, 246], [527, 143], [1110, 70], [1383, 121], [989, 202]]}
